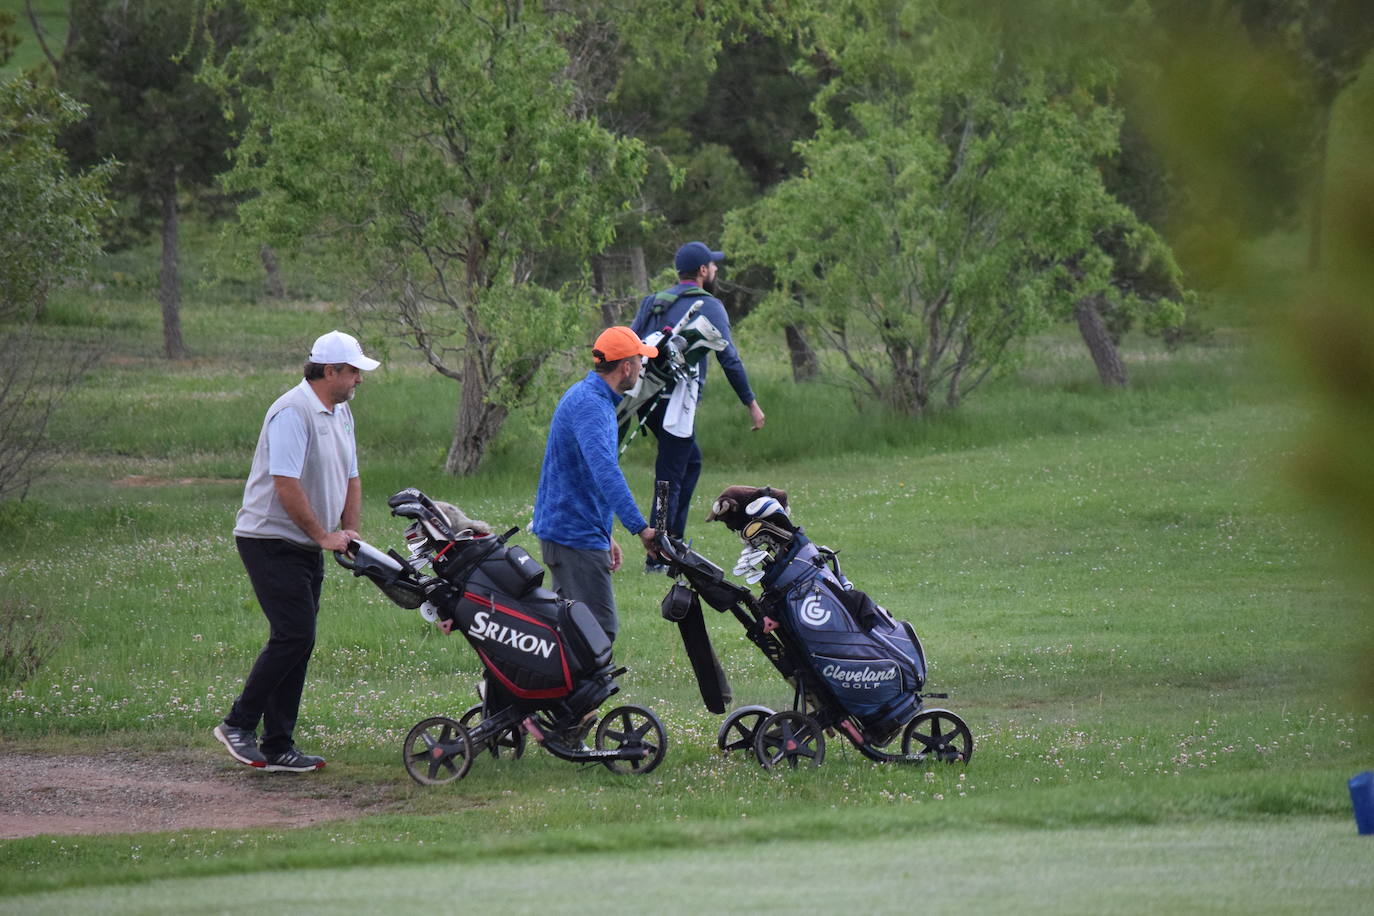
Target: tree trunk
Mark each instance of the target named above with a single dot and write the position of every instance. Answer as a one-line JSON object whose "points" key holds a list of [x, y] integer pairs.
{"points": [[804, 362], [1314, 238], [639, 272], [169, 291], [476, 424], [953, 395], [610, 306], [274, 287], [1110, 369], [910, 390]]}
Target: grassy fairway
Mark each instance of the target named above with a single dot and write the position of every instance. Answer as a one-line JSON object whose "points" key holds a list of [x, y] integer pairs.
{"points": [[1147, 631], [1297, 865]]}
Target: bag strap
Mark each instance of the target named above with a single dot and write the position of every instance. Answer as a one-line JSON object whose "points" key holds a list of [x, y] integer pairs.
{"points": [[664, 299]]}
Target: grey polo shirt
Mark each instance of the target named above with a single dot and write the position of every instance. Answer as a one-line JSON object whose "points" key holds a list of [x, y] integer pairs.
{"points": [[302, 438]]}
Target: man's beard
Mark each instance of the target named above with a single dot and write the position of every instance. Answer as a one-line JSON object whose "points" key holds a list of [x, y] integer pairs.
{"points": [[709, 285]]}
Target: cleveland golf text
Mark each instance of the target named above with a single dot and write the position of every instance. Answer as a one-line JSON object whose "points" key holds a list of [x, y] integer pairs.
{"points": [[863, 678]]}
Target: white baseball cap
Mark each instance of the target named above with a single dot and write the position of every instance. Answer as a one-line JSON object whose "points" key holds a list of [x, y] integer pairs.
{"points": [[338, 347]]}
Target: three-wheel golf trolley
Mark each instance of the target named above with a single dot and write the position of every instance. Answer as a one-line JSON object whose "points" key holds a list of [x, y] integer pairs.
{"points": [[854, 669], [546, 662]]}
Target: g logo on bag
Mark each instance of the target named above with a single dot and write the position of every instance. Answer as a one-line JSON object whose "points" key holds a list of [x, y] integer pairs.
{"points": [[814, 613]]}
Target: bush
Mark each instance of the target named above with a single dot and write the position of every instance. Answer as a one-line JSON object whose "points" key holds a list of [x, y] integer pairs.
{"points": [[29, 635], [35, 377]]}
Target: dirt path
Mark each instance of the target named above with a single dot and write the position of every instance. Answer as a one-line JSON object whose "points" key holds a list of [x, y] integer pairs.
{"points": [[79, 794]]}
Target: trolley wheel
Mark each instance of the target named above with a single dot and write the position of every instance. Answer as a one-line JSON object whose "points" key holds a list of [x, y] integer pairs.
{"points": [[632, 728], [437, 751], [737, 732], [789, 737], [938, 734], [512, 739]]}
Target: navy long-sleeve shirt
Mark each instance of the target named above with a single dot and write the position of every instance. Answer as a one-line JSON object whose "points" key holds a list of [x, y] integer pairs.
{"points": [[580, 484], [645, 323]]}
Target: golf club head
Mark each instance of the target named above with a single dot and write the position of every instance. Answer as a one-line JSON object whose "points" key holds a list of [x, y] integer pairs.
{"points": [[407, 495], [411, 495]]}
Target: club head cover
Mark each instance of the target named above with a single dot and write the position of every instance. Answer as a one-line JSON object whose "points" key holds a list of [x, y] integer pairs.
{"points": [[458, 519], [407, 495], [409, 510], [730, 507]]}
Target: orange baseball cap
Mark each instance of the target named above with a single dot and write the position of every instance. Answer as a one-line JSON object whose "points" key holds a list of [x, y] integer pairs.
{"points": [[619, 342]]}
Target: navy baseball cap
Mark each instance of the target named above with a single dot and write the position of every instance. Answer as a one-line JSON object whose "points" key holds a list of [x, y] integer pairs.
{"points": [[695, 255]]}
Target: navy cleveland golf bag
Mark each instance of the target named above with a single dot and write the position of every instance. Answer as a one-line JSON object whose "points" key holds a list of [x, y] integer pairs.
{"points": [[870, 663], [854, 668]]}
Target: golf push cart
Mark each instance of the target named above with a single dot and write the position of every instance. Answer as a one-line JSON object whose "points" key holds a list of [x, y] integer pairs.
{"points": [[854, 669], [546, 662]]}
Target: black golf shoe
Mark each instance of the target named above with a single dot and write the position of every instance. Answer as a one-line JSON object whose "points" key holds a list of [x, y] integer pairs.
{"points": [[242, 745], [293, 761]]}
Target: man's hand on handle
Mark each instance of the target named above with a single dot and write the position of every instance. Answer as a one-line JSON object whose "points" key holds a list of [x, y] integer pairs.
{"points": [[338, 541], [649, 538]]}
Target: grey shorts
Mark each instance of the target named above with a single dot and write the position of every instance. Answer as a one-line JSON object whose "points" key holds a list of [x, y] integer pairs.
{"points": [[583, 575]]}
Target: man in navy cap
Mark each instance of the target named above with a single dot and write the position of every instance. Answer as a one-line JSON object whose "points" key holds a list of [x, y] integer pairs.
{"points": [[679, 458]]}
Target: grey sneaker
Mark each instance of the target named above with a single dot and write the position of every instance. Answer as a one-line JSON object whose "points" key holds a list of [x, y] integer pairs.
{"points": [[293, 761], [654, 568], [242, 744]]}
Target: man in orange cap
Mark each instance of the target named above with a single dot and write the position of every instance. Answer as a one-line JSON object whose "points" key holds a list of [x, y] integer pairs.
{"points": [[581, 486]]}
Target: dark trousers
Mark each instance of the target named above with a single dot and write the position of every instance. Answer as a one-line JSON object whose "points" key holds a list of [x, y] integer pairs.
{"points": [[286, 580], [679, 463]]}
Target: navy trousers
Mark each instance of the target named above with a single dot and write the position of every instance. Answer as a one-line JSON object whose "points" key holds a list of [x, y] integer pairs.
{"points": [[286, 579], [679, 463]]}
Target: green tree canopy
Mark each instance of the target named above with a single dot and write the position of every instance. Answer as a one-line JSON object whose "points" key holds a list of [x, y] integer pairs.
{"points": [[49, 223], [951, 201], [134, 65], [440, 150], [48, 233]]}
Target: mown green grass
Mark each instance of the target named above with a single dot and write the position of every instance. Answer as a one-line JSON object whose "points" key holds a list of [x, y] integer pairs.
{"points": [[1147, 630], [1296, 865]]}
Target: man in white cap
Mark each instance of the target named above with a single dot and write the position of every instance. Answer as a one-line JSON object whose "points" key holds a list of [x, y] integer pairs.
{"points": [[303, 497]]}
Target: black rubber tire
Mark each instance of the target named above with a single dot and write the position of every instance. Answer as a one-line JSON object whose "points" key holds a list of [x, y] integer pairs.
{"points": [[789, 737], [512, 739], [632, 727], [738, 730], [939, 735], [437, 751]]}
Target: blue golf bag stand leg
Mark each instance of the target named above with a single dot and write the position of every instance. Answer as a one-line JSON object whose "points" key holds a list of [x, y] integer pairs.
{"points": [[1362, 799]]}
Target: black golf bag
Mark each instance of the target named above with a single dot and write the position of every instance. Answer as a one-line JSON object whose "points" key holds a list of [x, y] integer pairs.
{"points": [[539, 651], [534, 644], [546, 661], [680, 349]]}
